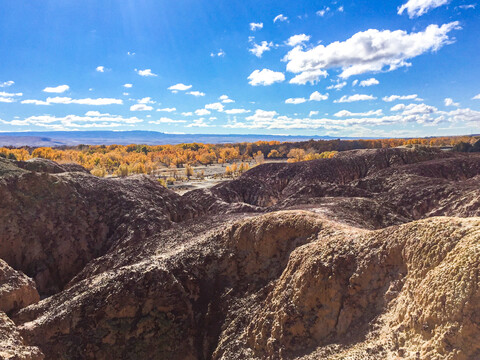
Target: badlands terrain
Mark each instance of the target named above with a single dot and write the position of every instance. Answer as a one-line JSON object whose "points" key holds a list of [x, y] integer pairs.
{"points": [[373, 254]]}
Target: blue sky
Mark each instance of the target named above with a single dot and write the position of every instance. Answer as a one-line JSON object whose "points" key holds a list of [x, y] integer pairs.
{"points": [[339, 68]]}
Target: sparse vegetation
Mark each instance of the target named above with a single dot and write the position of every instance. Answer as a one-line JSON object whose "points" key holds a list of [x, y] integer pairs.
{"points": [[121, 160]]}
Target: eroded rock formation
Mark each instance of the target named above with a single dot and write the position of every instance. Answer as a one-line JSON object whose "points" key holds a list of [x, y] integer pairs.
{"points": [[372, 254]]}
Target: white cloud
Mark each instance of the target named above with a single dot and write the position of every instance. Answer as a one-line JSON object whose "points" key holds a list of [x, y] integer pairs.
{"points": [[323, 11], [297, 40], [316, 96], [313, 113], [401, 97], [7, 83], [295, 101], [202, 112], [35, 102], [219, 53], [337, 86], [165, 120], [466, 7], [265, 77], [96, 113], [196, 93], [311, 77], [450, 102], [180, 87], [187, 113], [476, 97], [3, 93], [6, 100], [215, 106], [146, 100], [340, 9], [418, 109], [280, 17], [146, 72], [129, 53], [346, 113], [90, 120], [167, 109], [127, 85], [398, 107], [225, 99], [100, 69], [370, 51], [355, 97], [67, 100], [236, 111], [141, 107], [198, 123], [57, 89], [258, 50], [417, 8], [369, 82], [256, 26]]}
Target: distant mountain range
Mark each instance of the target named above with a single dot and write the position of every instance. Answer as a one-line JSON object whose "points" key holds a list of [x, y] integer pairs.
{"points": [[71, 138]]}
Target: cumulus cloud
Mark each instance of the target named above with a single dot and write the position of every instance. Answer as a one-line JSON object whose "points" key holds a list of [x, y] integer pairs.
{"points": [[398, 107], [202, 112], [189, 113], [297, 40], [90, 120], [100, 69], [180, 87], [167, 109], [370, 51], [225, 99], [338, 86], [280, 17], [369, 82], [316, 96], [256, 26], [417, 8], [67, 100], [295, 101], [7, 83], [236, 111], [165, 120], [6, 97], [258, 50], [355, 97], [347, 121], [401, 97], [450, 102], [323, 11], [141, 107], [57, 89], [311, 77], [219, 53], [196, 93], [127, 85], [265, 77], [215, 106], [476, 97], [346, 113], [145, 72], [198, 123]]}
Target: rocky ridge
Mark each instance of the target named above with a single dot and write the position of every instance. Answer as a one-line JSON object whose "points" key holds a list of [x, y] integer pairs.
{"points": [[372, 254]]}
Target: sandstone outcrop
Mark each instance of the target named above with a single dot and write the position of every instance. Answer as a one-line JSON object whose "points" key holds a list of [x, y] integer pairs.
{"points": [[370, 255]]}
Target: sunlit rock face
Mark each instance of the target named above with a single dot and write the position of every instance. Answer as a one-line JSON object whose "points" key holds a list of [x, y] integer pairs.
{"points": [[372, 254]]}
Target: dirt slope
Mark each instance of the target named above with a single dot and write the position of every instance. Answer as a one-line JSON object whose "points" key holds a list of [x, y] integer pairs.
{"points": [[373, 254]]}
